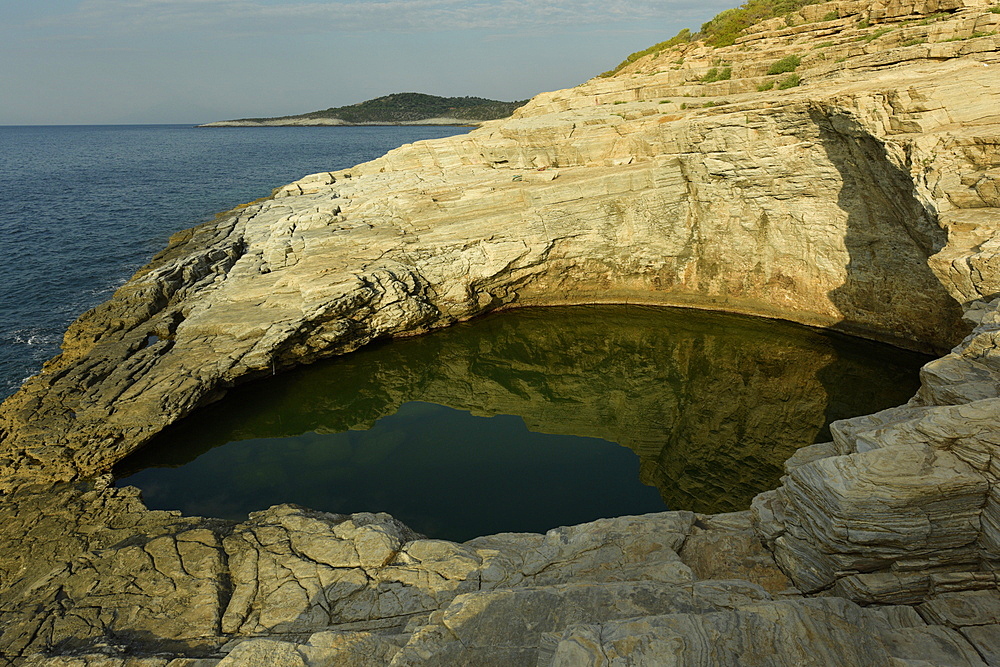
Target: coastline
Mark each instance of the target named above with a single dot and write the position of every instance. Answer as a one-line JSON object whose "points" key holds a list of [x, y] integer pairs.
{"points": [[336, 122], [867, 196]]}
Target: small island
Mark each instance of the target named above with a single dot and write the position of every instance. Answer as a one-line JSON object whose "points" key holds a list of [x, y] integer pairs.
{"points": [[395, 109]]}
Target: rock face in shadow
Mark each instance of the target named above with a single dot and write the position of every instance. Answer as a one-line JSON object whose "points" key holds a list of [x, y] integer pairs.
{"points": [[838, 202]]}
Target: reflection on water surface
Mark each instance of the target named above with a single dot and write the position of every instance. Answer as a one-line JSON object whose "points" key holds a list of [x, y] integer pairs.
{"points": [[708, 406]]}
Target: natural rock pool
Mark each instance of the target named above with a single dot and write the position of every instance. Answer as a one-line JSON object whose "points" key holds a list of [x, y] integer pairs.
{"points": [[528, 420]]}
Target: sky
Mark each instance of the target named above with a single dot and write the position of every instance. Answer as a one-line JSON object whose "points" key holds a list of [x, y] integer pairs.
{"points": [[195, 61]]}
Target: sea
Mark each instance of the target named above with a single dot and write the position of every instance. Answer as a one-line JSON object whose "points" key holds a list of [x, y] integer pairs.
{"points": [[83, 207]]}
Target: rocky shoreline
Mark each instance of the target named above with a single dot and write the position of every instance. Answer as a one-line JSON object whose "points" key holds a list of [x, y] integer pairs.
{"points": [[866, 199], [336, 122]]}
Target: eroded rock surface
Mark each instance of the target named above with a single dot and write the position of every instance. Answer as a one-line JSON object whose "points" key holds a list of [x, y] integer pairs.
{"points": [[903, 503], [864, 199]]}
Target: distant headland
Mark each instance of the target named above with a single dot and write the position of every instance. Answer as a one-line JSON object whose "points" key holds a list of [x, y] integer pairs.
{"points": [[395, 109]]}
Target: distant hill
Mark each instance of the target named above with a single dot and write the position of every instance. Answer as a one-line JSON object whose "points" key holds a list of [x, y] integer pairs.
{"points": [[395, 109]]}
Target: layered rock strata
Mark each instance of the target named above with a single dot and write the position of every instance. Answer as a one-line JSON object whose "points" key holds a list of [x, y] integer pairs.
{"points": [[865, 199]]}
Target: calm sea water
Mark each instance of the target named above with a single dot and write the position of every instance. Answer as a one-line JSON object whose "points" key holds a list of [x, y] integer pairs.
{"points": [[528, 420], [83, 207]]}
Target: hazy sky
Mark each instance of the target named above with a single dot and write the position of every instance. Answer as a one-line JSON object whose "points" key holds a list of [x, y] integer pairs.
{"points": [[193, 61]]}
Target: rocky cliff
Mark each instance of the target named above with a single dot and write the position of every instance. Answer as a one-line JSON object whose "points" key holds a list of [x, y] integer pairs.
{"points": [[862, 194]]}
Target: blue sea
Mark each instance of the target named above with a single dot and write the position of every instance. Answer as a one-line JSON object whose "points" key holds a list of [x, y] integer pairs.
{"points": [[83, 207]]}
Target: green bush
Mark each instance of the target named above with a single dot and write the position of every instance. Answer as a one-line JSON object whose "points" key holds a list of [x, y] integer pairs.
{"points": [[786, 64], [914, 42], [972, 36], [832, 15], [995, 9], [934, 17], [863, 23], [715, 74], [683, 37], [765, 86], [724, 28], [789, 81], [727, 26], [875, 35]]}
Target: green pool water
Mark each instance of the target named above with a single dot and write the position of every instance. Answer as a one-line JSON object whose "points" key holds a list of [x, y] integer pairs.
{"points": [[528, 420]]}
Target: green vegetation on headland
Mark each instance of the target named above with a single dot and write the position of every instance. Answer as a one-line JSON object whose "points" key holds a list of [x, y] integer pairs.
{"points": [[399, 108], [724, 28]]}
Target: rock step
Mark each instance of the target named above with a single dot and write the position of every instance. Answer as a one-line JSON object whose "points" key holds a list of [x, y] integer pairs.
{"points": [[956, 380], [969, 260], [711, 622], [506, 627], [821, 631], [847, 432]]}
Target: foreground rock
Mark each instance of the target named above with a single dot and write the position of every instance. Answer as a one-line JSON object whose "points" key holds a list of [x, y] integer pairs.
{"points": [[865, 199], [296, 587]]}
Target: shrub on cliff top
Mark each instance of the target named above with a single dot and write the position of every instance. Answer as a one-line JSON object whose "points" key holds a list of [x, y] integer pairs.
{"points": [[727, 26], [724, 28], [683, 37]]}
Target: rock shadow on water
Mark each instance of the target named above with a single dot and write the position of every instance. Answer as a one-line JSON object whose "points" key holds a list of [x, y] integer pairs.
{"points": [[508, 423]]}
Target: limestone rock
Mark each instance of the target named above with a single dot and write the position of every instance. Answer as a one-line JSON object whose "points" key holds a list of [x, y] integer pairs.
{"points": [[957, 610], [295, 570], [986, 640], [506, 627], [725, 546], [768, 633], [101, 660], [904, 504], [88, 561], [863, 199], [326, 649], [622, 549]]}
